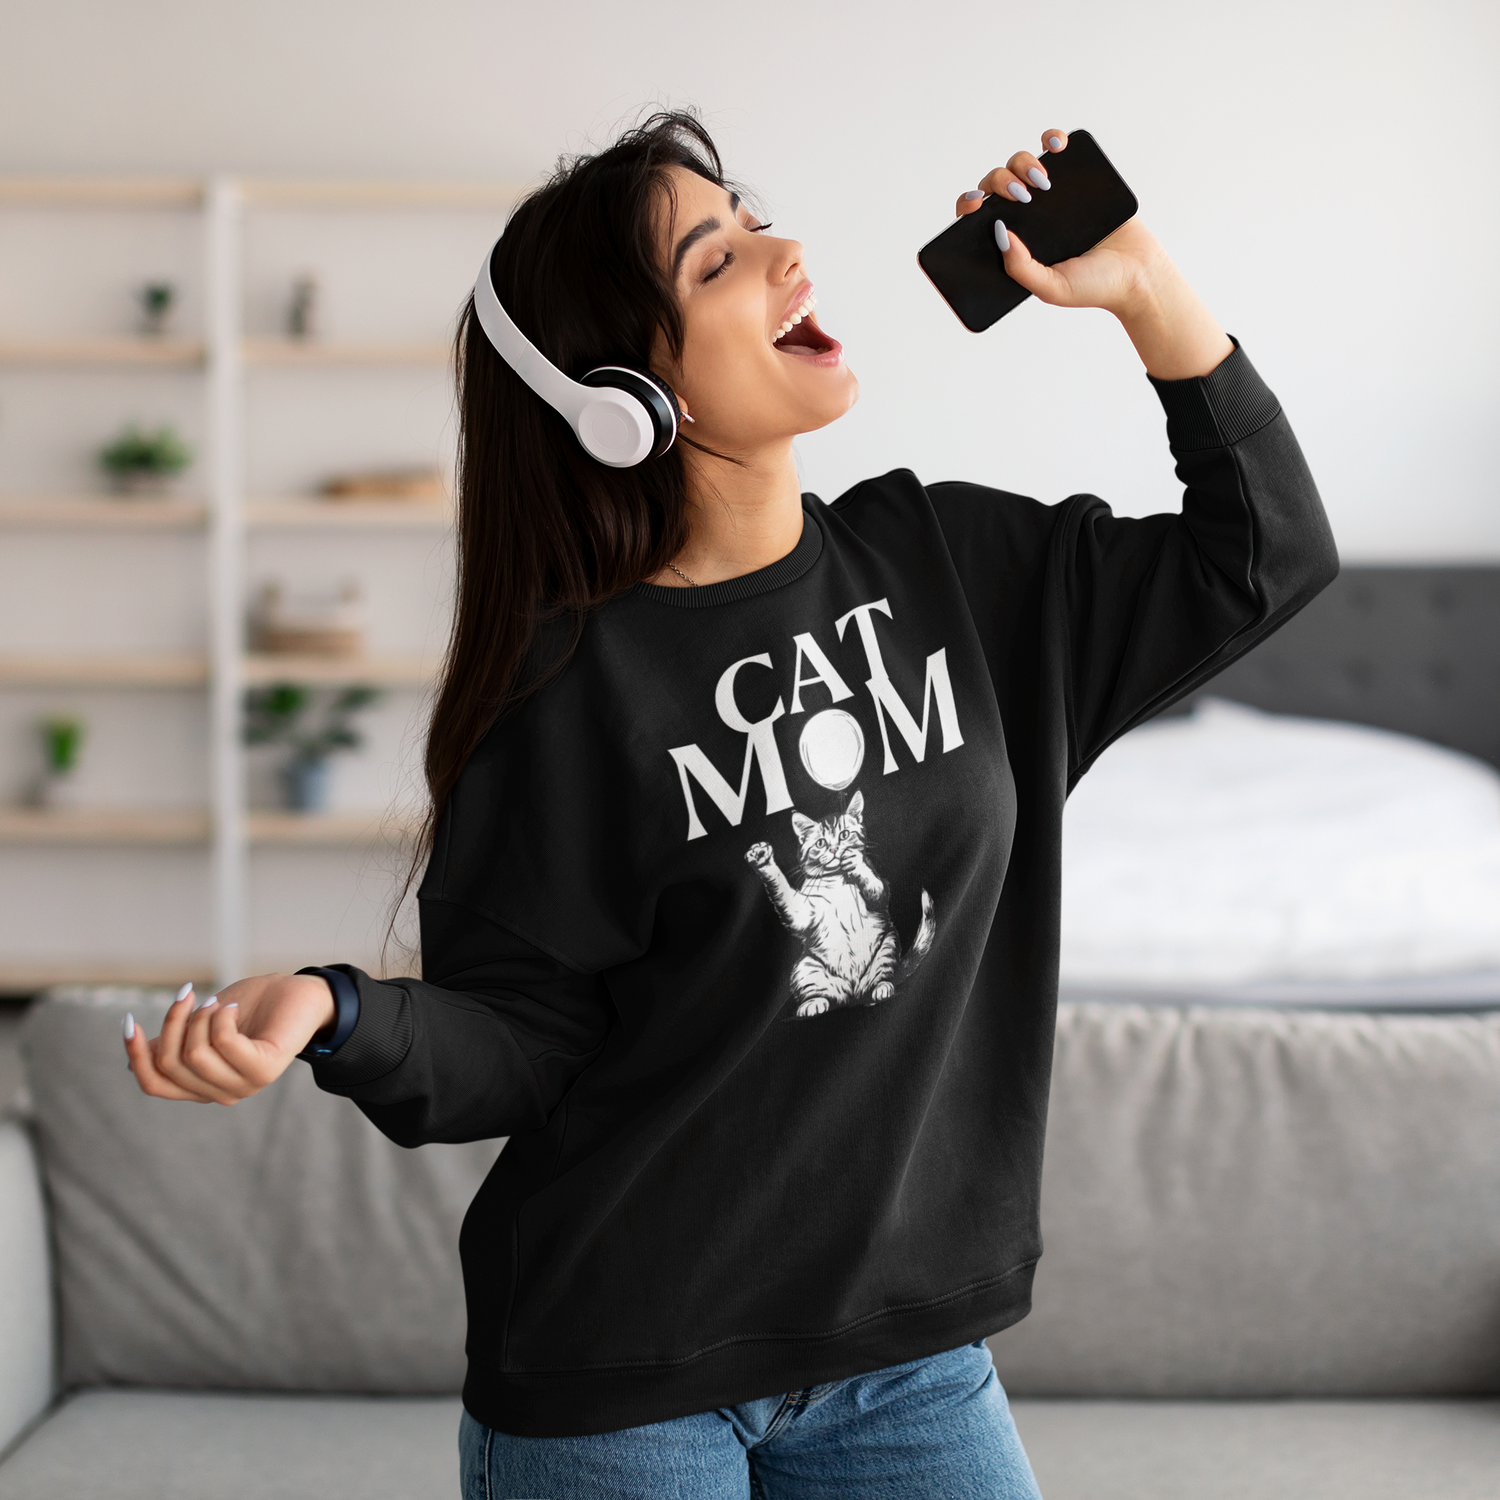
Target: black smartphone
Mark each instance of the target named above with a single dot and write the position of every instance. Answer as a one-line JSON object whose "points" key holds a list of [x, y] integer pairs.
{"points": [[1087, 202]]}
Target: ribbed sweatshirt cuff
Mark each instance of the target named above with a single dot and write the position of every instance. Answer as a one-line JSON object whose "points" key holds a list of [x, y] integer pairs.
{"points": [[1212, 411], [379, 1042]]}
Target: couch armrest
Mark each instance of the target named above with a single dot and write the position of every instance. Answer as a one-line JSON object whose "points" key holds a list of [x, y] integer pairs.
{"points": [[26, 1332]]}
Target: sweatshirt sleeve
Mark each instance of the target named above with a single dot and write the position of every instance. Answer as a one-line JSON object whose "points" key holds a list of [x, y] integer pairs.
{"points": [[1158, 605], [484, 1045], [1153, 607]]}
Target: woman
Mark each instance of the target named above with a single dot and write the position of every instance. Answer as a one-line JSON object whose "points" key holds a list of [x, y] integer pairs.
{"points": [[740, 916]]}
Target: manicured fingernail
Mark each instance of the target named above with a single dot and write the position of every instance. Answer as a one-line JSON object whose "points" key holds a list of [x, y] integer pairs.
{"points": [[204, 1004], [1019, 193], [1038, 178], [1055, 142], [972, 194], [127, 1026], [233, 1005], [1002, 238], [183, 993]]}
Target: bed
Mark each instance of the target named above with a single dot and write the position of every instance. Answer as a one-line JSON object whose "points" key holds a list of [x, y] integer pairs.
{"points": [[1319, 828]]}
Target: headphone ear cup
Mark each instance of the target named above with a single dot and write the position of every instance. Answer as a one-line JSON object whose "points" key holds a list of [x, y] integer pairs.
{"points": [[655, 395]]}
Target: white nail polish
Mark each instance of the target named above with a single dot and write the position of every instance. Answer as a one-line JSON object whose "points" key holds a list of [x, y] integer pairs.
{"points": [[183, 993], [1055, 142], [202, 1003], [1002, 237], [127, 1027], [233, 1005], [1018, 192], [1038, 178], [972, 194]]}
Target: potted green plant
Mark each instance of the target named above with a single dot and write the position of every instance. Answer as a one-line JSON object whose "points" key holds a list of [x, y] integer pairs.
{"points": [[62, 746], [156, 299], [144, 462], [313, 726]]}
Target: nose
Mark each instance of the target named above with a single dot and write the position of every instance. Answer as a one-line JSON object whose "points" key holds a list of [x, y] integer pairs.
{"points": [[786, 260]]}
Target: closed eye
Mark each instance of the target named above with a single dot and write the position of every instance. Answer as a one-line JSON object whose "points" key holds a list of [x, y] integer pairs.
{"points": [[728, 260]]}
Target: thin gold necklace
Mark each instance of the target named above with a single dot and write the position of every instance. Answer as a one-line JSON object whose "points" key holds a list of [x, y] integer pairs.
{"points": [[691, 582]]}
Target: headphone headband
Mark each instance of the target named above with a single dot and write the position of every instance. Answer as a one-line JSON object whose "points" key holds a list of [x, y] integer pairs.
{"points": [[620, 415]]}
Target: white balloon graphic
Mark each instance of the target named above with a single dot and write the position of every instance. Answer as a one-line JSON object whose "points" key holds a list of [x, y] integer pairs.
{"points": [[833, 748]]}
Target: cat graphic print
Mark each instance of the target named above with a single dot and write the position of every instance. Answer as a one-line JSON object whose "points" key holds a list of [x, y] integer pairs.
{"points": [[851, 952]]}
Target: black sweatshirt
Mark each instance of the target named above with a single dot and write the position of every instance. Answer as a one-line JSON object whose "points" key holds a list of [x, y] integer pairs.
{"points": [[745, 928]]}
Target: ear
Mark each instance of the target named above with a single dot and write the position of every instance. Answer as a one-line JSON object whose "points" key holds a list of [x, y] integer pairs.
{"points": [[856, 808], [802, 827]]}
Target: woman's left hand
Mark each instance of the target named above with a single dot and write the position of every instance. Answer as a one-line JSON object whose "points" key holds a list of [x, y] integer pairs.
{"points": [[1127, 274]]}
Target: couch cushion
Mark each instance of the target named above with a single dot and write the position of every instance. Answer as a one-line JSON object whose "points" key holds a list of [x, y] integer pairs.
{"points": [[154, 1445], [1250, 1450], [1238, 1203], [160, 1445], [1254, 1203], [282, 1244], [25, 1286]]}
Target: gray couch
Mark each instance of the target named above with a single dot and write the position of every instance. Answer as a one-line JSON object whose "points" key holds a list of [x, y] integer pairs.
{"points": [[1272, 1269]]}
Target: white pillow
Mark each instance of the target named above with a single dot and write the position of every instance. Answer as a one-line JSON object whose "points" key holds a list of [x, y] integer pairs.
{"points": [[1235, 846]]}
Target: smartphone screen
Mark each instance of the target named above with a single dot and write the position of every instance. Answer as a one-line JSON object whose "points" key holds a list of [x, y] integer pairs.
{"points": [[1087, 202]]}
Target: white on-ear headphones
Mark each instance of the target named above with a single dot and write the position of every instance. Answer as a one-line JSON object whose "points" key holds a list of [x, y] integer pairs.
{"points": [[621, 416]]}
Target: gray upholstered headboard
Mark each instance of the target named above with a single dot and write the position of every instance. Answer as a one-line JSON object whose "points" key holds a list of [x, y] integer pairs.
{"points": [[1416, 649]]}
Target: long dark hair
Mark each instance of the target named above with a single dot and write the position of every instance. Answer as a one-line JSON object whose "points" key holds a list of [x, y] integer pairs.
{"points": [[544, 532]]}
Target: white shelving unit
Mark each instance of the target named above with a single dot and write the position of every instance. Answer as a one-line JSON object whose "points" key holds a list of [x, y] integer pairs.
{"points": [[225, 517]]}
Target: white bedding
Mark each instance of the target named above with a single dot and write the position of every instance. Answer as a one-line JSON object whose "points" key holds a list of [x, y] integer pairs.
{"points": [[1258, 855]]}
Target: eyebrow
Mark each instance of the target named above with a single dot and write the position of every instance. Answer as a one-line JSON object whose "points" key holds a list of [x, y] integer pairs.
{"points": [[698, 232]]}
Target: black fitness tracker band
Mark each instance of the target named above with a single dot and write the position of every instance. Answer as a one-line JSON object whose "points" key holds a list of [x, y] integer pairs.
{"points": [[346, 1013]]}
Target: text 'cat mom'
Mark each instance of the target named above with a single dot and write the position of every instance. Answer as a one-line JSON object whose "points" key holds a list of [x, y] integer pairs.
{"points": [[832, 744]]}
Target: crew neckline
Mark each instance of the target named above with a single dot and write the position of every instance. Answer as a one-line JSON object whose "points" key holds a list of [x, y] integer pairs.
{"points": [[785, 570]]}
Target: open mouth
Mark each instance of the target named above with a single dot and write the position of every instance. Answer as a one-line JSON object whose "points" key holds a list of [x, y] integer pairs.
{"points": [[800, 337]]}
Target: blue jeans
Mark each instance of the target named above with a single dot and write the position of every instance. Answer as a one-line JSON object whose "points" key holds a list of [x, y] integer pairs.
{"points": [[934, 1429]]}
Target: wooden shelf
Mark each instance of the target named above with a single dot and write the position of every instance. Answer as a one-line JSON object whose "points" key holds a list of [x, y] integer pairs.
{"points": [[86, 353], [146, 827], [192, 671], [384, 671], [338, 830], [127, 513], [374, 194], [27, 976], [290, 354], [104, 671], [258, 192], [101, 192], [185, 828], [353, 515], [101, 512]]}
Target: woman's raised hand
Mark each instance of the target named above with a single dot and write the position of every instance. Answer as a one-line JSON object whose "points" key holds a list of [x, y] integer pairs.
{"points": [[1128, 274], [235, 1044]]}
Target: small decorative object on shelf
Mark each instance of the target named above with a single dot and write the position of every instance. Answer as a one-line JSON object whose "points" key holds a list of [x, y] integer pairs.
{"points": [[316, 625], [62, 744], [144, 463], [157, 299], [286, 713], [302, 320], [387, 484]]}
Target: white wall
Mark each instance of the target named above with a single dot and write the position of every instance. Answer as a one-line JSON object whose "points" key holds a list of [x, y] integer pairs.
{"points": [[1324, 172]]}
